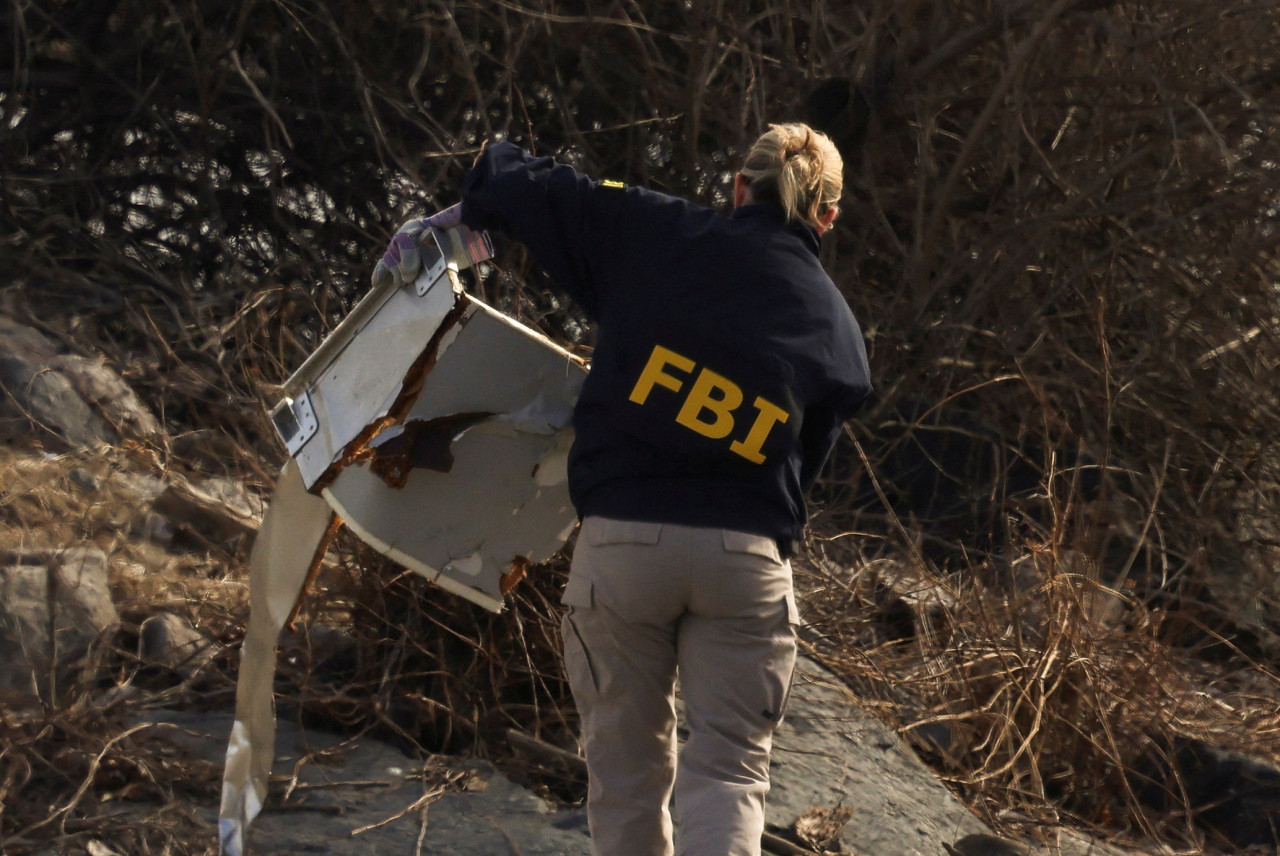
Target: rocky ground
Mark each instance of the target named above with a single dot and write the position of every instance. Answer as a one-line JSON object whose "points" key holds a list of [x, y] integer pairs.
{"points": [[843, 783]]}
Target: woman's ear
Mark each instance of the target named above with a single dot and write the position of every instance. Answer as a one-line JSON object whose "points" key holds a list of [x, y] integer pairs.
{"points": [[826, 218]]}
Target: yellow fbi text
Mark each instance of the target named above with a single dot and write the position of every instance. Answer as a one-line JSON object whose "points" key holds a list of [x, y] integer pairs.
{"points": [[711, 402]]}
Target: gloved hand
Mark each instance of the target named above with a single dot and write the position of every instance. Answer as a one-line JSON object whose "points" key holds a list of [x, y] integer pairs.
{"points": [[401, 262]]}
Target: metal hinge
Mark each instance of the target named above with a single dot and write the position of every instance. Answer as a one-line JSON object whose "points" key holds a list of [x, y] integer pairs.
{"points": [[434, 262], [295, 422]]}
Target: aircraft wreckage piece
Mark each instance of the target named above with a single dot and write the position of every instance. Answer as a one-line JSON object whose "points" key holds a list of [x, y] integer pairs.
{"points": [[437, 430]]}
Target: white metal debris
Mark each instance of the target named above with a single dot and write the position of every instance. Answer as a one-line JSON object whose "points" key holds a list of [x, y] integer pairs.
{"points": [[438, 431]]}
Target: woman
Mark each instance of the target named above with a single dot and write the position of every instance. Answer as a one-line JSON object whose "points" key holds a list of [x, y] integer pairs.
{"points": [[725, 363]]}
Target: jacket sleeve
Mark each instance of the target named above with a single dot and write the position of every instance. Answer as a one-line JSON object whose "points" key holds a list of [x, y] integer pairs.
{"points": [[557, 212], [818, 435], [823, 422]]}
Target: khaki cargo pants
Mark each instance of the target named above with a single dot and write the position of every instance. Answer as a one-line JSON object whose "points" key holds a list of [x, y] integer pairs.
{"points": [[648, 600]]}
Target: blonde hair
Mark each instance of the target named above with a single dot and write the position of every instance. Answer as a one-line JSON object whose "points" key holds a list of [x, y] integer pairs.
{"points": [[796, 167]]}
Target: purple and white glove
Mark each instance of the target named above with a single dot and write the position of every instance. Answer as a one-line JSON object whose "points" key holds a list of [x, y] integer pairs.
{"points": [[402, 260]]}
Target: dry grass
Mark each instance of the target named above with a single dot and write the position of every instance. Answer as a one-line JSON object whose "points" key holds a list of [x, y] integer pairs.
{"points": [[89, 775], [1040, 694]]}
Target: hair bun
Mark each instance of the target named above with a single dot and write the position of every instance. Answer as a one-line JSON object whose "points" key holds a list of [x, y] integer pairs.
{"points": [[796, 144], [795, 167]]}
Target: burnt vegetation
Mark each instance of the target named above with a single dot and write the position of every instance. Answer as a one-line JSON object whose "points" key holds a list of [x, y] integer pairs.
{"points": [[1049, 544]]}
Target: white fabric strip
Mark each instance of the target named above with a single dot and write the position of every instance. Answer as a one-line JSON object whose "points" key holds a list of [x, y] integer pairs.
{"points": [[291, 530]]}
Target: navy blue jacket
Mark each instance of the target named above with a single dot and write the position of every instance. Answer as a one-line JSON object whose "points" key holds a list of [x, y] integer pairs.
{"points": [[726, 359]]}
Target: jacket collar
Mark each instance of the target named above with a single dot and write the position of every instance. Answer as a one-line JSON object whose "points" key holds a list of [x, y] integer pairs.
{"points": [[773, 215]]}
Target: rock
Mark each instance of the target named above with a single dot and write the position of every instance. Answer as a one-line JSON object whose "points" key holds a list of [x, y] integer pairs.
{"points": [[320, 649], [1233, 797], [841, 780], [78, 401], [985, 845], [82, 612], [85, 480], [830, 754], [155, 527], [169, 640], [218, 509], [34, 396], [109, 395], [910, 601], [364, 798], [141, 487]]}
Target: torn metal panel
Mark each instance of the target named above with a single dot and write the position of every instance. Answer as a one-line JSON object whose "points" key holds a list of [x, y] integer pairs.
{"points": [[505, 497], [492, 490], [492, 363], [438, 429]]}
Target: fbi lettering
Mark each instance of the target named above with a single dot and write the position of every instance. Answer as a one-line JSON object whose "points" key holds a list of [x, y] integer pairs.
{"points": [[711, 404]]}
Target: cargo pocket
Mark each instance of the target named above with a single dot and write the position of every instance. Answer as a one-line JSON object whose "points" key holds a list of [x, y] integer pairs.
{"points": [[578, 592], [579, 596], [781, 665], [793, 612]]}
